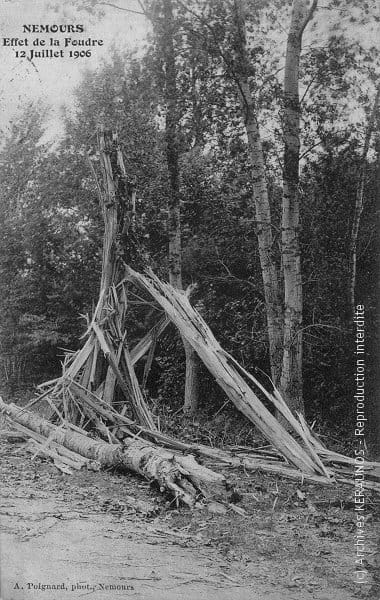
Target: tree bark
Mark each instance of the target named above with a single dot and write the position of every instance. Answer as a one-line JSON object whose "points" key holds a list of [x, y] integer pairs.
{"points": [[268, 264], [172, 157], [291, 372], [284, 319], [374, 345], [359, 203], [181, 475]]}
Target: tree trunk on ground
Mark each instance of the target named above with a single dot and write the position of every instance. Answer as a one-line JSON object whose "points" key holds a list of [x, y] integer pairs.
{"points": [[179, 474], [172, 157], [268, 264], [291, 372]]}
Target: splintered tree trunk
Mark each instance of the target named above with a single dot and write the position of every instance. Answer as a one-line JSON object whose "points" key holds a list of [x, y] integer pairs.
{"points": [[228, 373], [172, 157], [268, 264], [291, 374], [104, 360], [178, 474]]}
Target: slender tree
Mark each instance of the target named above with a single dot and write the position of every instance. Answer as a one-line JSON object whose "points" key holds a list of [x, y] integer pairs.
{"points": [[291, 372], [359, 201], [165, 35], [284, 316], [269, 267]]}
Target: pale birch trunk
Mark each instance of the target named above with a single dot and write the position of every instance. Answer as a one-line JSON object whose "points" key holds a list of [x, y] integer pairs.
{"points": [[291, 373], [268, 264]]}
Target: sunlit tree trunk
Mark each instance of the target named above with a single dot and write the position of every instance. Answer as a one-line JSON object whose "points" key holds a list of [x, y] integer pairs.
{"points": [[284, 316], [291, 373], [268, 264]]}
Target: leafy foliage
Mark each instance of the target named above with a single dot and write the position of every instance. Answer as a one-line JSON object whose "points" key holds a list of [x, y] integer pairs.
{"points": [[51, 227]]}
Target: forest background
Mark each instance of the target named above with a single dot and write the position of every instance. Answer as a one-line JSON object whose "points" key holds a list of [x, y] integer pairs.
{"points": [[178, 107]]}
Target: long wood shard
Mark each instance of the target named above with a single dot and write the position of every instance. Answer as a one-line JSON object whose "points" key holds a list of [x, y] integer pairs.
{"points": [[195, 330]]}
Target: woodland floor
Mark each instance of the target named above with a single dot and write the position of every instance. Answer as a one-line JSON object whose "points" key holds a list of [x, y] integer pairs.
{"points": [[296, 542]]}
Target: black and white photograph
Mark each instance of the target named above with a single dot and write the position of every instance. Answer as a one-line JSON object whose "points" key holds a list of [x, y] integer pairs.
{"points": [[190, 299]]}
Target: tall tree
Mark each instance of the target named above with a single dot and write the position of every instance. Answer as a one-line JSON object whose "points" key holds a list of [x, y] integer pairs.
{"points": [[291, 372], [359, 200], [284, 317], [269, 267], [166, 29]]}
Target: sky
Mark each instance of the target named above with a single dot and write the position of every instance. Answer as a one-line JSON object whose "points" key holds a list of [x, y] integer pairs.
{"points": [[53, 79]]}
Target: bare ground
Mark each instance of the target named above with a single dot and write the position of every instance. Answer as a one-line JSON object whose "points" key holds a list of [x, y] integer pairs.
{"points": [[296, 542]]}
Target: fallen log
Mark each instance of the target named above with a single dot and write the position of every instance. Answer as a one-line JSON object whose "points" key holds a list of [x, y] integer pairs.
{"points": [[255, 460], [49, 445], [180, 475], [37, 449], [173, 471]]}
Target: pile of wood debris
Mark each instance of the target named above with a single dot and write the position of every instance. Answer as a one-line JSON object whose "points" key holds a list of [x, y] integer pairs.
{"points": [[81, 402]]}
